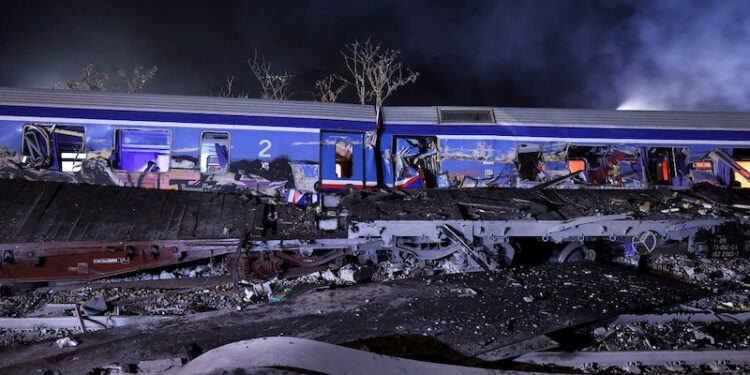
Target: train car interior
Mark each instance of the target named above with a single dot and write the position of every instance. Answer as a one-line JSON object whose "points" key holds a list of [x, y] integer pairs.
{"points": [[416, 161], [625, 167], [667, 166], [553, 161], [742, 156], [342, 159], [528, 158], [142, 150]]}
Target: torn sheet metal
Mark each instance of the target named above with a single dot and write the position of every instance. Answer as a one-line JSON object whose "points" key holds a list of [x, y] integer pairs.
{"points": [[317, 357]]}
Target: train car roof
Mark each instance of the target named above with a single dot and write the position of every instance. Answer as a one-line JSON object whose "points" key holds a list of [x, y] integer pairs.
{"points": [[184, 104], [568, 117], [443, 115]]}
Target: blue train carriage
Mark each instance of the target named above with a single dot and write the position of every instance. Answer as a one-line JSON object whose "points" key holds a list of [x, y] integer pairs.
{"points": [[524, 147], [180, 142]]}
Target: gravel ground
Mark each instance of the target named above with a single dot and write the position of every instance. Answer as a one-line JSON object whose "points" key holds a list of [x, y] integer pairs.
{"points": [[18, 337], [675, 335], [728, 279], [469, 315]]}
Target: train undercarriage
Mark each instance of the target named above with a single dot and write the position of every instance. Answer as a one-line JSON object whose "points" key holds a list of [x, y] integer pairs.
{"points": [[475, 243], [466, 246], [450, 231]]}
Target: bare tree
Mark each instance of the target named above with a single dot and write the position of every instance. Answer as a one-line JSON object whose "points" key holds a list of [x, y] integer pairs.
{"points": [[227, 90], [387, 75], [90, 80], [375, 73], [359, 59], [327, 89], [137, 81], [273, 86]]}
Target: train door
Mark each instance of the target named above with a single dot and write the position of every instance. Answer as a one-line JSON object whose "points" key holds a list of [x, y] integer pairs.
{"points": [[342, 160], [416, 164]]}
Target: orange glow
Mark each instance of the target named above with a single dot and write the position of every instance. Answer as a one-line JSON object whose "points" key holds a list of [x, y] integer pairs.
{"points": [[576, 165], [738, 177], [703, 165]]}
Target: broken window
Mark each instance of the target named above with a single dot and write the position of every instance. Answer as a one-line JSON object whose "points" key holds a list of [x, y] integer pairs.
{"points": [[416, 159], [553, 161], [742, 157], [214, 152], [624, 166], [703, 171], [344, 157], [668, 166], [591, 158], [528, 161], [607, 165], [56, 147], [660, 166], [142, 150]]}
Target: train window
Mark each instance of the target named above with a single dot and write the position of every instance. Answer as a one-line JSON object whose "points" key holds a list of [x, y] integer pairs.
{"points": [[529, 161], [528, 166], [214, 151], [344, 158], [142, 150], [623, 164], [703, 166], [591, 158], [744, 183], [703, 171], [466, 116], [56, 147]]}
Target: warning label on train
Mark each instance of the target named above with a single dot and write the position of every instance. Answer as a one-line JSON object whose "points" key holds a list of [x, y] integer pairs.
{"points": [[728, 241]]}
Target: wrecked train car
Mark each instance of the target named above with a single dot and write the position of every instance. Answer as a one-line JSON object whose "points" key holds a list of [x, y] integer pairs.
{"points": [[527, 147], [170, 142], [298, 148]]}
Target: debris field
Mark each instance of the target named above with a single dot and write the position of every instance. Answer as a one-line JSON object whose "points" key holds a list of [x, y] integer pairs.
{"points": [[684, 299]]}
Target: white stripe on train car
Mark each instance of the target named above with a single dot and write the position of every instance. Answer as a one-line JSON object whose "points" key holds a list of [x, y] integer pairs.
{"points": [[342, 182], [82, 121], [407, 181], [348, 182], [604, 141]]}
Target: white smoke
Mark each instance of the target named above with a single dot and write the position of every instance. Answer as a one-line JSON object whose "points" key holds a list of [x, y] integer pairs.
{"points": [[692, 55]]}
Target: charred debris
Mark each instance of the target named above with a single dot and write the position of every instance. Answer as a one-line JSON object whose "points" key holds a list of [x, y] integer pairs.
{"points": [[483, 280]]}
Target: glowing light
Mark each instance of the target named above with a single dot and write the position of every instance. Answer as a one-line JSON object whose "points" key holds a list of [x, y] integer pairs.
{"points": [[639, 104]]}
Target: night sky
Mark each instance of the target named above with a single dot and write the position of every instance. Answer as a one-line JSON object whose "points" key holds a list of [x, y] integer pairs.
{"points": [[679, 54]]}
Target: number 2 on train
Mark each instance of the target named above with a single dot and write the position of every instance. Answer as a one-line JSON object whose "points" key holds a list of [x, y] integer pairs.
{"points": [[263, 153]]}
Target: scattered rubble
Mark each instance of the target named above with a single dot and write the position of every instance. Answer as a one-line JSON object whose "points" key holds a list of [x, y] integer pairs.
{"points": [[10, 337], [473, 325], [212, 269], [675, 335], [66, 342]]}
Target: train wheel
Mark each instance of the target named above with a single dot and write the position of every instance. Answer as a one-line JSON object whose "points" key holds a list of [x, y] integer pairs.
{"points": [[507, 252], [574, 252]]}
